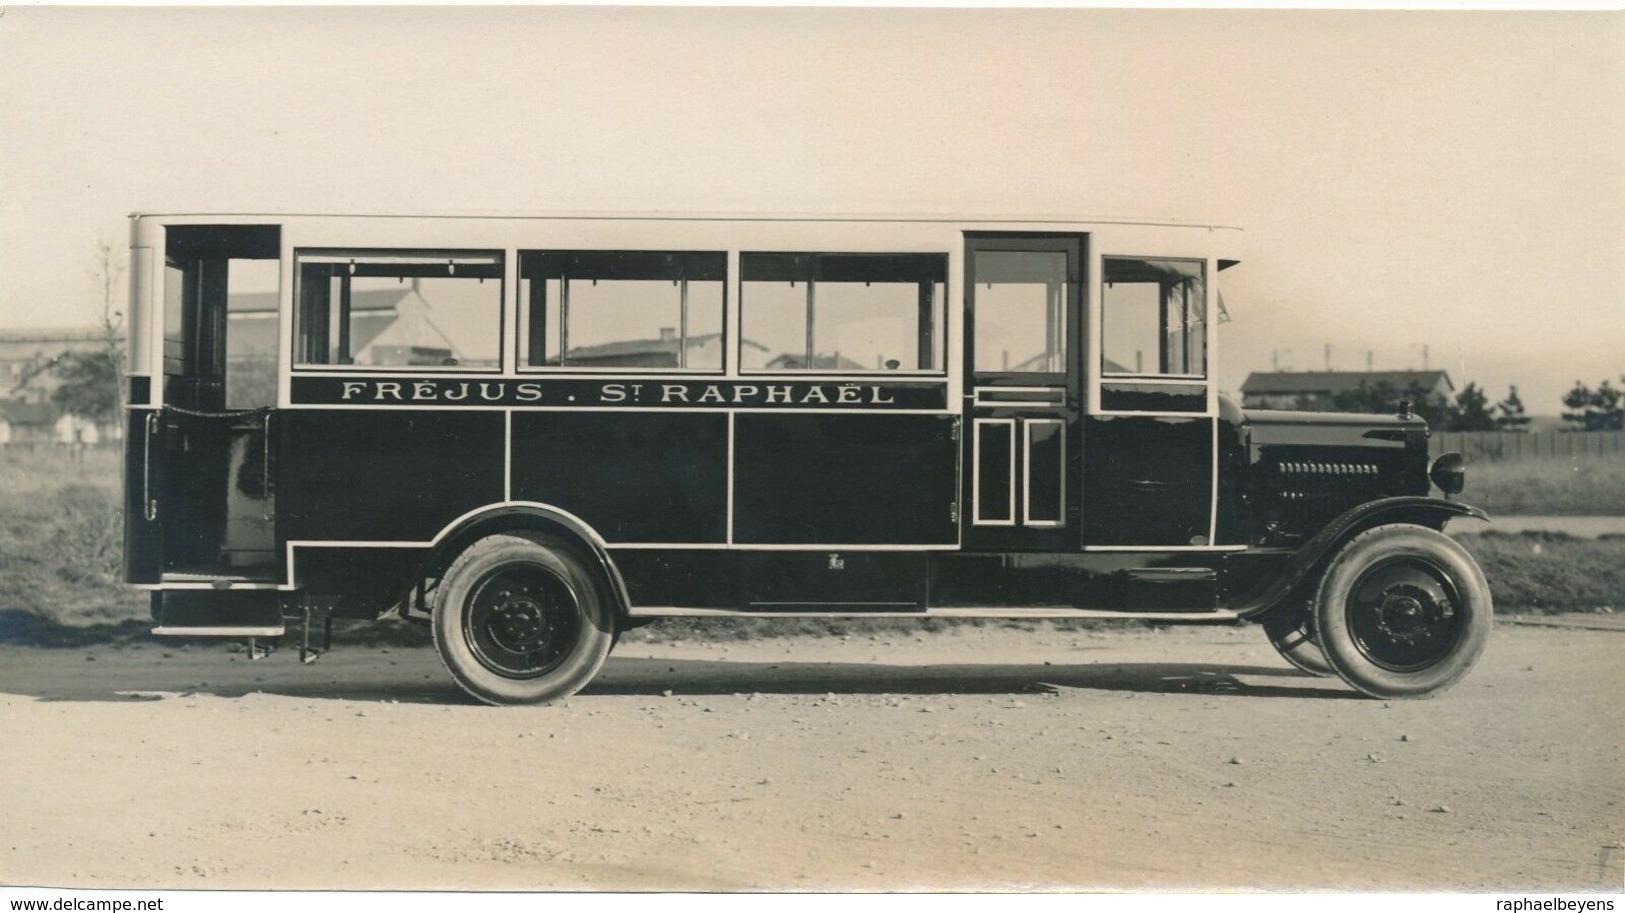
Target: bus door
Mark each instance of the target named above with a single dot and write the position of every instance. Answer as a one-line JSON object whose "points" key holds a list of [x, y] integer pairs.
{"points": [[1023, 323], [211, 491]]}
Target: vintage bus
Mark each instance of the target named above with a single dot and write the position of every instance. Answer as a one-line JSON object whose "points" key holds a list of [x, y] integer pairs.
{"points": [[535, 433]]}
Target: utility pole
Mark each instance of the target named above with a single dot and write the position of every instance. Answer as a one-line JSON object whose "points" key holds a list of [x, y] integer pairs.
{"points": [[1328, 358], [1424, 354]]}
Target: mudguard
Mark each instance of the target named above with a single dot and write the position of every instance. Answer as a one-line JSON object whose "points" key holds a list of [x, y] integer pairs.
{"points": [[516, 517], [1429, 512]]}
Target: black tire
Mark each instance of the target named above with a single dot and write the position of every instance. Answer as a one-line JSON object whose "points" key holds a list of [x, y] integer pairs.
{"points": [[521, 621], [1291, 630], [1403, 612]]}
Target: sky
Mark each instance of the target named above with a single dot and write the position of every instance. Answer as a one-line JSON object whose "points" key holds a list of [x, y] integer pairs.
{"points": [[1408, 181]]}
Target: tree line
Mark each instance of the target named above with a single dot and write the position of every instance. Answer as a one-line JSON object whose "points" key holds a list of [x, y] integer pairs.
{"points": [[1469, 410], [1592, 409], [1602, 409]]}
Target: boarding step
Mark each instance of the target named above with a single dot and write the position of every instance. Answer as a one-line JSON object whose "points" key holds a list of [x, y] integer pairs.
{"points": [[218, 613], [175, 580]]}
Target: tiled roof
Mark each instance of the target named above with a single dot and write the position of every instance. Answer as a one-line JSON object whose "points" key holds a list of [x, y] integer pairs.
{"points": [[1328, 382]]}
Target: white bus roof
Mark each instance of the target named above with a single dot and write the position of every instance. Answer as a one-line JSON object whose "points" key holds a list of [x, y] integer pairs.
{"points": [[980, 219]]}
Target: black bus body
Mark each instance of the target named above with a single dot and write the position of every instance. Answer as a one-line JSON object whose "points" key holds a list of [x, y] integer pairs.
{"points": [[533, 433]]}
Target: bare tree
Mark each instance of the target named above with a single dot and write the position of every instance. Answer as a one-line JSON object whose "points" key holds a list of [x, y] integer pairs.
{"points": [[91, 381], [107, 270]]}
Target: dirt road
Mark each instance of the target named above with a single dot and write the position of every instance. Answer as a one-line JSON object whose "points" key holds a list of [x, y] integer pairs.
{"points": [[975, 758]]}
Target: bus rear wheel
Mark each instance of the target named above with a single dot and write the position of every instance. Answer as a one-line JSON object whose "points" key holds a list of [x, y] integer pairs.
{"points": [[1291, 630], [1403, 612], [521, 621]]}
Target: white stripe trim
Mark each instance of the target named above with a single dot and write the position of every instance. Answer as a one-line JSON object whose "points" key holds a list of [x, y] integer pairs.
{"points": [[1128, 412], [1213, 491], [785, 547], [1027, 478], [199, 585], [1184, 380], [976, 472], [848, 602], [676, 375], [499, 407], [728, 528], [1210, 617], [1164, 548], [171, 631], [628, 546]]}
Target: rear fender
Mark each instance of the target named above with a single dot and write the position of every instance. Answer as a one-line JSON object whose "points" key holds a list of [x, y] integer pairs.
{"points": [[1430, 512], [521, 517]]}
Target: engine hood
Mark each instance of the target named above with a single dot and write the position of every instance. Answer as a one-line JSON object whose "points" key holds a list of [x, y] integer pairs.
{"points": [[1268, 427], [1307, 467]]}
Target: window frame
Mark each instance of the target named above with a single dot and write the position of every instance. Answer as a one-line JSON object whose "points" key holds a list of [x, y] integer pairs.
{"points": [[493, 257], [940, 319], [524, 328], [1162, 330]]}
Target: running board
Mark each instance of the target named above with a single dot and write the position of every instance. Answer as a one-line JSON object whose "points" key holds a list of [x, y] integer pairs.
{"points": [[218, 631], [1211, 616], [178, 581]]}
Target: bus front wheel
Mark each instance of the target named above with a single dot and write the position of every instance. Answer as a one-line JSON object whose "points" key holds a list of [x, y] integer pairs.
{"points": [[1403, 612], [521, 621]]}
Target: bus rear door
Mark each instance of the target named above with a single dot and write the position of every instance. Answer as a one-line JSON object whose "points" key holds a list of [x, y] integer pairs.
{"points": [[213, 472]]}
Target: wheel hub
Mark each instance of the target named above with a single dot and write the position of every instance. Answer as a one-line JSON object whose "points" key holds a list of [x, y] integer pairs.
{"points": [[1402, 615], [521, 621], [518, 623]]}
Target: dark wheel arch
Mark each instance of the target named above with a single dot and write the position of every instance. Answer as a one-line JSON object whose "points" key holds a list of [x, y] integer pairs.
{"points": [[1306, 566], [531, 519]]}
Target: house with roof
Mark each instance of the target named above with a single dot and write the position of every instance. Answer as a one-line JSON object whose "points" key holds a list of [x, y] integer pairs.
{"points": [[704, 350], [387, 327], [29, 416], [27, 424], [798, 361], [28, 357], [1316, 389]]}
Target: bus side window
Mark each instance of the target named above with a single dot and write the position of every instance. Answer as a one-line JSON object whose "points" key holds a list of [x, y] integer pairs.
{"points": [[622, 309], [1154, 317], [382, 308], [842, 313]]}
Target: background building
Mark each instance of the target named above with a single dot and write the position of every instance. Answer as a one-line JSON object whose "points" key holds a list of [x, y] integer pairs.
{"points": [[1316, 389]]}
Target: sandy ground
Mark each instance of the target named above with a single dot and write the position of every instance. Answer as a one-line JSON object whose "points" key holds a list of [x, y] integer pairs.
{"points": [[976, 758]]}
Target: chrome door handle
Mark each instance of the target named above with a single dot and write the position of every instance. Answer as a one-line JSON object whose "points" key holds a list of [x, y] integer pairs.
{"points": [[150, 503]]}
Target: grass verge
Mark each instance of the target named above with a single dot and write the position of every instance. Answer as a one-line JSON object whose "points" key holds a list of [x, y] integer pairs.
{"points": [[1545, 487], [1545, 573], [61, 539]]}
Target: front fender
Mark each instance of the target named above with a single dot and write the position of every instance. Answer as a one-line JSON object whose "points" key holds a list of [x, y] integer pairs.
{"points": [[1429, 512]]}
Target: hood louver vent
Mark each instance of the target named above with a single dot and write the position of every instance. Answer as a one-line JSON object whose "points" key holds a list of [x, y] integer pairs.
{"points": [[1300, 482], [1328, 469]]}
